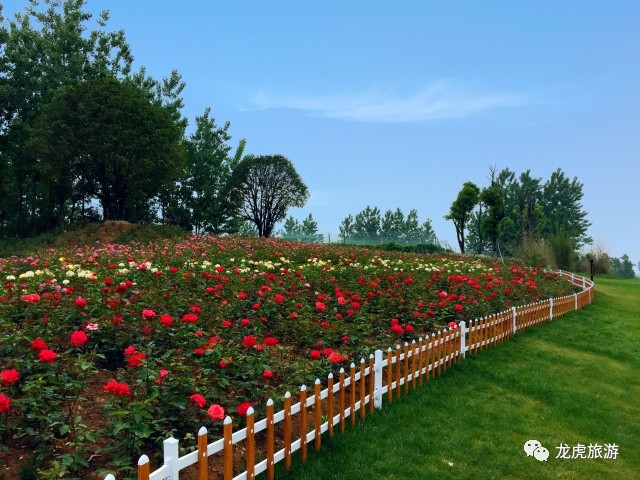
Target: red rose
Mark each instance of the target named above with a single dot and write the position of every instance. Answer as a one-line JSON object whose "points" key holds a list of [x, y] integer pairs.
{"points": [[278, 298], [166, 320], [248, 341], [146, 313], [38, 344], [136, 359], [190, 318], [130, 350], [270, 341], [47, 356], [80, 302], [458, 307], [9, 376], [321, 306], [242, 295], [197, 399], [116, 388], [5, 403], [315, 354], [397, 329], [267, 374], [31, 298], [163, 373], [226, 323], [78, 338], [216, 412], [243, 407]]}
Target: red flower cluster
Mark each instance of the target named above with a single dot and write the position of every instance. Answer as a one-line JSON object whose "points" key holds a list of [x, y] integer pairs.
{"points": [[78, 338], [9, 376], [119, 389], [5, 403]]}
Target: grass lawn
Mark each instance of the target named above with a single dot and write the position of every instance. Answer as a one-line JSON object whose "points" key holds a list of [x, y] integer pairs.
{"points": [[573, 381]]}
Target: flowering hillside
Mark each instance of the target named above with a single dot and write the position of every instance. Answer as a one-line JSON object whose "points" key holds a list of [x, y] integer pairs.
{"points": [[108, 349]]}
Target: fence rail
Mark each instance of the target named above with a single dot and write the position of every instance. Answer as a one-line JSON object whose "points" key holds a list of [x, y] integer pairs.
{"points": [[356, 391]]}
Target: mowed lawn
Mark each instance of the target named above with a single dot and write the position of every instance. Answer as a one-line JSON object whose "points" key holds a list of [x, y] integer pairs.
{"points": [[575, 381]]}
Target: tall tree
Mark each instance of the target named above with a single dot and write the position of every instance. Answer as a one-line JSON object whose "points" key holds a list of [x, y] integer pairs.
{"points": [[461, 209], [43, 49], [309, 230], [562, 209], [124, 147], [263, 188], [392, 226], [209, 167], [367, 225], [346, 229]]}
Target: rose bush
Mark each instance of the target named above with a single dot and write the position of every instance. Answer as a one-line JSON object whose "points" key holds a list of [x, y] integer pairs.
{"points": [[166, 337]]}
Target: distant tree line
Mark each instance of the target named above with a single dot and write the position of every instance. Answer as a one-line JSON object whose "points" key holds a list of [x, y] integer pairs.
{"points": [[514, 212], [369, 226], [83, 138]]}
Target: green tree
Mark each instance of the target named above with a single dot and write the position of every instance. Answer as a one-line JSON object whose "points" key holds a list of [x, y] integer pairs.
{"points": [[43, 49], [346, 229], [309, 230], [366, 227], [123, 147], [623, 267], [461, 208], [562, 209], [209, 167], [392, 226], [263, 188]]}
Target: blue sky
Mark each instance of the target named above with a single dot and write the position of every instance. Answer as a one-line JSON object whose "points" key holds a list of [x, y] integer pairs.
{"points": [[397, 104]]}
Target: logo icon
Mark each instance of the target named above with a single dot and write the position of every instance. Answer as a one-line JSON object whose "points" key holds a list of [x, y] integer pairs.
{"points": [[533, 448]]}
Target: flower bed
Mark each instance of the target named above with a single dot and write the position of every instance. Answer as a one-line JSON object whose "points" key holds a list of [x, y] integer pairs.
{"points": [[106, 350]]}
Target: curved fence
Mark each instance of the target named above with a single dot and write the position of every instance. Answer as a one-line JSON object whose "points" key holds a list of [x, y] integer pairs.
{"points": [[382, 378]]}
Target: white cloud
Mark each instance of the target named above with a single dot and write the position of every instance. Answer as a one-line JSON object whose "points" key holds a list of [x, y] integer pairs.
{"points": [[440, 100]]}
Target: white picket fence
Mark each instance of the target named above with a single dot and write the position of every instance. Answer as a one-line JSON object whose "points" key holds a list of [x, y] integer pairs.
{"points": [[385, 373]]}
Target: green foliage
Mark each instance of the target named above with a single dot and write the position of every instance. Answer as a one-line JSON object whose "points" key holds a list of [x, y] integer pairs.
{"points": [[461, 209], [43, 49], [623, 267], [563, 251], [209, 168], [307, 231], [121, 147], [262, 189], [368, 227], [515, 212]]}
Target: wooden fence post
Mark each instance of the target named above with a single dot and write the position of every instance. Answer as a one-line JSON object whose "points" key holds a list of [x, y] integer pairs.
{"points": [[551, 309], [377, 388], [303, 423], [330, 403], [171, 454], [341, 397], [317, 415], [143, 468], [287, 431], [463, 338], [227, 468], [352, 393], [250, 454], [271, 441], [203, 458]]}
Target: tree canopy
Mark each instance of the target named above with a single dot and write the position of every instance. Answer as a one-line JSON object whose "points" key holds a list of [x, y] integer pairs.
{"points": [[105, 138], [461, 208], [262, 188]]}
